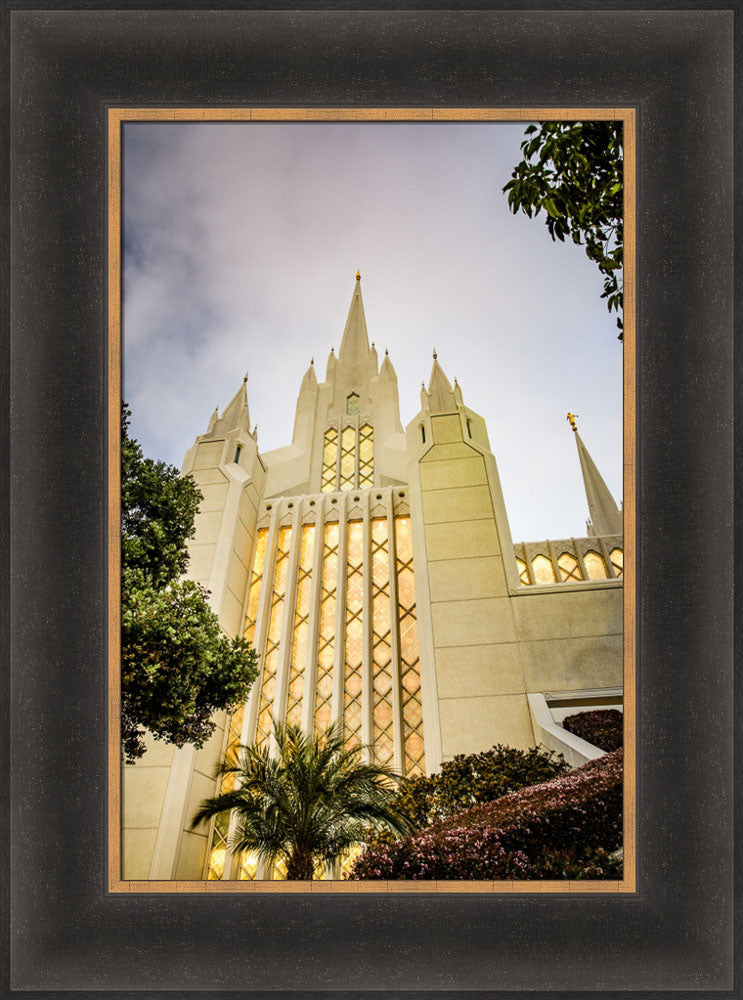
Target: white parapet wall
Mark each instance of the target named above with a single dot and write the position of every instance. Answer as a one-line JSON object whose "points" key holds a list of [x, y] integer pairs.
{"points": [[550, 734]]}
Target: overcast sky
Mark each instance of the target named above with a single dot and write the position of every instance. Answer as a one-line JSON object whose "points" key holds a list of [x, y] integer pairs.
{"points": [[241, 244]]}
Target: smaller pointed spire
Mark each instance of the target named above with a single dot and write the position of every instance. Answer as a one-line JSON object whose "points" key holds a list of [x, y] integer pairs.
{"points": [[606, 517], [309, 382], [237, 409], [458, 394], [387, 370], [212, 420], [440, 392]]}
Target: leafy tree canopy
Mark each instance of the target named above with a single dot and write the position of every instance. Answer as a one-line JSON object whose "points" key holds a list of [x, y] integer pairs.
{"points": [[467, 781], [177, 665], [574, 171], [308, 804]]}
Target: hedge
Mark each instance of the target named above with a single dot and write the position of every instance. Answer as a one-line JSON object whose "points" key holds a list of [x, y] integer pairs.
{"points": [[603, 728], [564, 828]]}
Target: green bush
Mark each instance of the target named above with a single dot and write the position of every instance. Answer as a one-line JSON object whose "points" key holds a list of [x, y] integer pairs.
{"points": [[564, 828], [603, 728], [467, 781]]}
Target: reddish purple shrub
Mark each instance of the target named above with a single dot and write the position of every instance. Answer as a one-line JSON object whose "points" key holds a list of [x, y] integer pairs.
{"points": [[564, 828], [603, 728]]}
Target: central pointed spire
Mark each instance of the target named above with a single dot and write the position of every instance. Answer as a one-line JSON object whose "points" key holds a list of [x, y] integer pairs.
{"points": [[355, 344]]}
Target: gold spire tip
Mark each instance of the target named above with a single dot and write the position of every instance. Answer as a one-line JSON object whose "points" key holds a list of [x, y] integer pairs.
{"points": [[571, 420], [358, 275], [435, 355]]}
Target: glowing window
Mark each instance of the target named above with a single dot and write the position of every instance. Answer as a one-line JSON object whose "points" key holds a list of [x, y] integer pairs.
{"points": [[410, 679], [366, 456], [544, 571], [329, 460], [523, 572], [382, 730], [326, 636], [569, 567], [617, 561], [595, 566], [352, 404], [273, 638], [218, 849], [300, 633], [354, 631], [348, 458]]}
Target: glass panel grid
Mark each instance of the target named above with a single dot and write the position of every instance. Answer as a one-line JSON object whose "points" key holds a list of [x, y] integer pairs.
{"points": [[569, 567], [366, 456], [326, 633], [218, 849], [329, 460], [382, 725], [412, 710], [301, 627], [348, 458], [354, 631], [273, 638]]}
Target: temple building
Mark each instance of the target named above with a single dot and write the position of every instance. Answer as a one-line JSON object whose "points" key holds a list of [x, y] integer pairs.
{"points": [[373, 570]]}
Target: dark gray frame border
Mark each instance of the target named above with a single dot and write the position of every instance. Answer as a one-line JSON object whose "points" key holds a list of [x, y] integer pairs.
{"points": [[66, 933]]}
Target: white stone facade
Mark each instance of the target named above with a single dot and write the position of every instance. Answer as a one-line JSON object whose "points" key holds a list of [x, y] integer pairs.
{"points": [[374, 571]]}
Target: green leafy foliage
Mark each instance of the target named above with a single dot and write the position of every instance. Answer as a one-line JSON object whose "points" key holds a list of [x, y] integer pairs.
{"points": [[177, 665], [574, 172], [565, 828], [307, 804], [468, 780], [603, 727]]}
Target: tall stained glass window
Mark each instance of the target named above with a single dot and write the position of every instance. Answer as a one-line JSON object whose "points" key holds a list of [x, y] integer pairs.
{"points": [[354, 631], [410, 676], [326, 631], [273, 638], [348, 458], [218, 850], [300, 632], [329, 460], [382, 728], [366, 456]]}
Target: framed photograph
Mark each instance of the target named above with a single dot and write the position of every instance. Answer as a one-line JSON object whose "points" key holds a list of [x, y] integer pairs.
{"points": [[114, 151]]}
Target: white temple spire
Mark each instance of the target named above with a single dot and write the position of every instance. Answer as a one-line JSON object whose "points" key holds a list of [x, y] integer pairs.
{"points": [[440, 393], [355, 343], [605, 516]]}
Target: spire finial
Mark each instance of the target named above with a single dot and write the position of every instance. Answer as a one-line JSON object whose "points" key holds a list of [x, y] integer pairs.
{"points": [[386, 352], [245, 378], [571, 421], [358, 275], [312, 361], [435, 355]]}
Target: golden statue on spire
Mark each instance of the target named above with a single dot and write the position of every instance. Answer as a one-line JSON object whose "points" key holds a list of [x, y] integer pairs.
{"points": [[571, 421]]}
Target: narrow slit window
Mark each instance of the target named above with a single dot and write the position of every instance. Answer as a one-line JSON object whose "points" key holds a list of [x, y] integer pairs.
{"points": [[238, 452]]}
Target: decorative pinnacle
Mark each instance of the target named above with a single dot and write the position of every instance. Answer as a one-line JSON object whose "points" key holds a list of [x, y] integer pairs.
{"points": [[386, 352], [571, 421], [358, 275], [312, 361], [245, 378], [435, 355]]}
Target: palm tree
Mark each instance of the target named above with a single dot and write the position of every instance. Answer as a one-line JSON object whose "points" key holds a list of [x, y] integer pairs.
{"points": [[307, 804]]}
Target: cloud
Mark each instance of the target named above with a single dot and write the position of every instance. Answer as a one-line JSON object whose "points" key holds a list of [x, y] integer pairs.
{"points": [[241, 246]]}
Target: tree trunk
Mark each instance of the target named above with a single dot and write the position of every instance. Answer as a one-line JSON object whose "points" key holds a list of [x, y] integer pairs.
{"points": [[301, 865]]}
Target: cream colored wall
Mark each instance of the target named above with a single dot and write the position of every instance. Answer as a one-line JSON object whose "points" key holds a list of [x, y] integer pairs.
{"points": [[491, 643], [162, 791]]}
